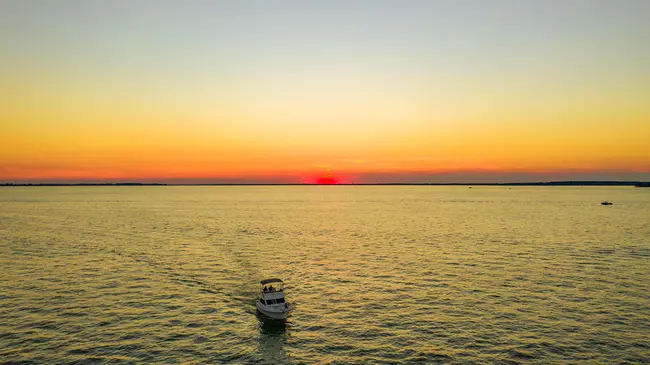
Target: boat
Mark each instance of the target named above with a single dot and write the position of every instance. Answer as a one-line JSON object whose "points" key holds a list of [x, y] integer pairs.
{"points": [[606, 203], [271, 300]]}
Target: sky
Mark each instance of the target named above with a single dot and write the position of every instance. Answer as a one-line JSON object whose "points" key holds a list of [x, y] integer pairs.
{"points": [[324, 91]]}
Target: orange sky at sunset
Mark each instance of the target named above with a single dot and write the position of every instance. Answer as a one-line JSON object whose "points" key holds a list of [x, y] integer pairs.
{"points": [[333, 91]]}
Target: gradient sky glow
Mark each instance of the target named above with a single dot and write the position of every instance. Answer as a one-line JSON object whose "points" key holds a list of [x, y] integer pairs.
{"points": [[290, 91]]}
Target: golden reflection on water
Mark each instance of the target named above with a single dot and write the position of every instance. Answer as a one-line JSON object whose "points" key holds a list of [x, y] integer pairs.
{"points": [[379, 274]]}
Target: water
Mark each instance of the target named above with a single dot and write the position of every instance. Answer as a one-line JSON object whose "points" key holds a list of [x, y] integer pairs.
{"points": [[381, 275]]}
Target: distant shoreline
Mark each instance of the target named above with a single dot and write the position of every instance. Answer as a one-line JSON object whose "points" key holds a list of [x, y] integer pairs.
{"points": [[550, 183]]}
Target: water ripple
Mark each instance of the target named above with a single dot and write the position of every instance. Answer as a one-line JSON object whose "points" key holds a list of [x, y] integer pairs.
{"points": [[380, 275]]}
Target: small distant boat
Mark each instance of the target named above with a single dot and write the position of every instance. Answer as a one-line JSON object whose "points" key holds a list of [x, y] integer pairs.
{"points": [[606, 203], [271, 300]]}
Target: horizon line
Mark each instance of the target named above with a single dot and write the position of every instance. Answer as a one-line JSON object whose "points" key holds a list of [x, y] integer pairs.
{"points": [[529, 183]]}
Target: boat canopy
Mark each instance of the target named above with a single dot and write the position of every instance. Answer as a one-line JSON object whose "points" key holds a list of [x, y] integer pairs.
{"points": [[268, 281]]}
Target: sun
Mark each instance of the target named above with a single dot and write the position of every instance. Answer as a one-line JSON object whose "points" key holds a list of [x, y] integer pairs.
{"points": [[326, 180]]}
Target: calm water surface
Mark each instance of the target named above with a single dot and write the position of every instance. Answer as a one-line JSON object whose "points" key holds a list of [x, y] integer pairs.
{"points": [[380, 275]]}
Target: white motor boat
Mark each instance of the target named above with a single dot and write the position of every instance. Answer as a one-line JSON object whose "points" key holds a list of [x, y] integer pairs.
{"points": [[272, 301]]}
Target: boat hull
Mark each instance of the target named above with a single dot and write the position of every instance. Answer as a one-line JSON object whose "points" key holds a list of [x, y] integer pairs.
{"points": [[276, 314]]}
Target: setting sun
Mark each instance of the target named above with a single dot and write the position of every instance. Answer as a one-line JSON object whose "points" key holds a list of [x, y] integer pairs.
{"points": [[327, 180]]}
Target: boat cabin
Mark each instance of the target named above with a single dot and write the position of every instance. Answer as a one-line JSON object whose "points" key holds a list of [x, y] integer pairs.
{"points": [[272, 292]]}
